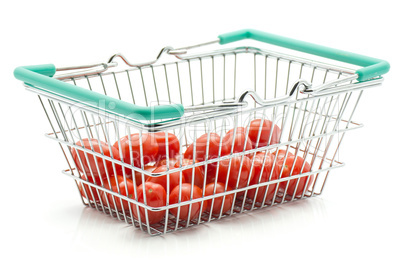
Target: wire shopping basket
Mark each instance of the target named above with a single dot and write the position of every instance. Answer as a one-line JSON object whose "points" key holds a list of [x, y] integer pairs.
{"points": [[165, 146]]}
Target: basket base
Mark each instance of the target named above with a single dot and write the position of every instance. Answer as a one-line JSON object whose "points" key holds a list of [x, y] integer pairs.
{"points": [[241, 205]]}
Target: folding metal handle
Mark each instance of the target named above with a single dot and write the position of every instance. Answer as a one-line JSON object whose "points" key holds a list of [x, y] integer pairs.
{"points": [[372, 67], [40, 77]]}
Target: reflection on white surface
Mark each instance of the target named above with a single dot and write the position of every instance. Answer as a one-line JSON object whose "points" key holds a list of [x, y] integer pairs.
{"points": [[96, 231]]}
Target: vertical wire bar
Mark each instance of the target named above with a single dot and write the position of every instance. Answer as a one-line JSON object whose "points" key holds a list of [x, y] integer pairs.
{"points": [[265, 76], [235, 123], [156, 89], [224, 82], [294, 107], [216, 180], [202, 91], [202, 82], [224, 77], [276, 76], [90, 87], [296, 152], [95, 157], [89, 83], [191, 82], [167, 83], [286, 92], [255, 78], [137, 207], [192, 179], [213, 84], [142, 167], [176, 225], [167, 179], [205, 174], [131, 86], [234, 76], [48, 118], [103, 84], [117, 86], [143, 86], [73, 79], [301, 136], [56, 116], [181, 98], [104, 128]]}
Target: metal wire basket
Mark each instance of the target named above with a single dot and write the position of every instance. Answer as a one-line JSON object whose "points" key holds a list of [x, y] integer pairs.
{"points": [[236, 129]]}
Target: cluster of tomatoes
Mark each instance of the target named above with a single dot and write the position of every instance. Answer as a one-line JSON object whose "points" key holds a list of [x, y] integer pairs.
{"points": [[238, 171]]}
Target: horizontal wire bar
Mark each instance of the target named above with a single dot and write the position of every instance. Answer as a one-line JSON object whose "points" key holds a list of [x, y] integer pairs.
{"points": [[182, 203]]}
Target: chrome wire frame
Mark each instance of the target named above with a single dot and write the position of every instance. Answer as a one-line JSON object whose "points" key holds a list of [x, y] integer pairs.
{"points": [[312, 127]]}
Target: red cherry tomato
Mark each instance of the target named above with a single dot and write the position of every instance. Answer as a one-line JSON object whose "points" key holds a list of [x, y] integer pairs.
{"points": [[173, 145], [84, 188], [263, 169], [241, 141], [238, 169], [201, 145], [155, 196], [218, 201], [185, 196], [110, 200], [138, 175], [281, 154], [174, 178], [149, 149], [98, 147], [265, 132], [287, 167], [188, 173], [164, 162]]}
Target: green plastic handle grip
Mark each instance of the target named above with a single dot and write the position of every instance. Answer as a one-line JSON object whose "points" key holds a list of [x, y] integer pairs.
{"points": [[40, 76], [372, 67]]}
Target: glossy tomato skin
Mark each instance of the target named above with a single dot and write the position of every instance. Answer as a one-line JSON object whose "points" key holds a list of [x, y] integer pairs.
{"points": [[265, 132], [174, 178], [218, 201], [84, 188], [116, 186], [188, 173], [149, 149], [173, 145], [201, 155], [98, 147], [236, 166], [240, 141], [281, 154], [138, 175], [163, 162], [185, 196], [155, 196], [263, 169], [286, 172]]}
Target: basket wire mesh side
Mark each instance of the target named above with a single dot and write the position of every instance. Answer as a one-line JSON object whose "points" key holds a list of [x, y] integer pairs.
{"points": [[312, 127]]}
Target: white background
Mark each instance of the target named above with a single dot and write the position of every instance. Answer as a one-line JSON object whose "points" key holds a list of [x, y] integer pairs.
{"points": [[358, 217]]}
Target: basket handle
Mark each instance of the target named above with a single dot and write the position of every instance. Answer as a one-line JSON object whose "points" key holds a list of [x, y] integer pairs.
{"points": [[40, 77], [372, 67]]}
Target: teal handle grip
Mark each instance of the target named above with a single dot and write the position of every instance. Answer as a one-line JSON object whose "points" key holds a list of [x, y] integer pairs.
{"points": [[40, 76], [372, 67]]}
